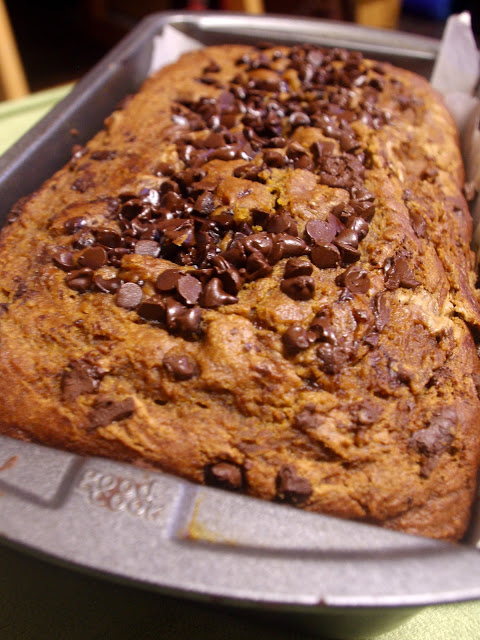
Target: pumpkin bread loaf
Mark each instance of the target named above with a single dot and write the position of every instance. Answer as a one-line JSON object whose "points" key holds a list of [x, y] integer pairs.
{"points": [[258, 276]]}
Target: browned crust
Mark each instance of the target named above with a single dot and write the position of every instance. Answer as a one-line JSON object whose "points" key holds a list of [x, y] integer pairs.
{"points": [[253, 406]]}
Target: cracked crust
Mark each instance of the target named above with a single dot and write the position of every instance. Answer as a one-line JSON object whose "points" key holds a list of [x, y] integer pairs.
{"points": [[388, 434]]}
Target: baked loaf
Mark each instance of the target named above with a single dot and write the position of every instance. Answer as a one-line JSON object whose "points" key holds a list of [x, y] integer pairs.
{"points": [[258, 277]]}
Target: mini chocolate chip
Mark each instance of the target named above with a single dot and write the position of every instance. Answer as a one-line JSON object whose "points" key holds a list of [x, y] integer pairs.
{"points": [[204, 204], [108, 238], [73, 225], [418, 223], [180, 367], [355, 279], [321, 231], [257, 266], [188, 322], [93, 258], [299, 119], [298, 267], [167, 280], [330, 358], [189, 288], [224, 475], [80, 280], [129, 295], [325, 256], [282, 222], [323, 330], [152, 309], [299, 288], [286, 246], [77, 379], [399, 274], [215, 296], [274, 159], [106, 285], [296, 338], [106, 410], [292, 488], [63, 258], [358, 225], [347, 243], [147, 248]]}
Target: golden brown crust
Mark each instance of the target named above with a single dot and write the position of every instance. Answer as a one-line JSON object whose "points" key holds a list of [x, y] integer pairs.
{"points": [[303, 368]]}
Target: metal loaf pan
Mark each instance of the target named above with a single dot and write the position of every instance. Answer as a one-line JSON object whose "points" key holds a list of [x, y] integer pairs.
{"points": [[158, 532]]}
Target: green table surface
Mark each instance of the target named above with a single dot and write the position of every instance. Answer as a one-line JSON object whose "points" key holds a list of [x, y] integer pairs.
{"points": [[39, 601]]}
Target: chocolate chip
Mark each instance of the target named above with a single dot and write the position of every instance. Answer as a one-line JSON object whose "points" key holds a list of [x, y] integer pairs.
{"points": [[296, 338], [430, 442], [355, 279], [108, 238], [147, 248], [330, 358], [325, 256], [188, 323], [180, 367], [299, 119], [73, 225], [320, 231], [77, 379], [347, 243], [282, 222], [224, 475], [257, 266], [399, 274], [322, 328], [358, 225], [189, 288], [215, 296], [298, 267], [274, 159], [292, 488], [80, 280], [286, 246], [152, 309], [299, 288], [106, 410], [103, 154], [418, 223], [93, 258], [129, 295], [106, 285], [167, 280], [63, 258]]}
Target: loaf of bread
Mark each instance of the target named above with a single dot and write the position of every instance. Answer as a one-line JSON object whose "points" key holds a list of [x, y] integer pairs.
{"points": [[258, 276]]}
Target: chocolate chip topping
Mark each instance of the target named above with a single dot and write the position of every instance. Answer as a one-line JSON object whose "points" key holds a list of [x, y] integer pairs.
{"points": [[105, 410], [129, 295], [224, 475], [292, 488], [399, 274], [255, 122], [180, 367], [298, 288], [355, 279], [63, 258], [93, 258], [296, 338], [77, 379]]}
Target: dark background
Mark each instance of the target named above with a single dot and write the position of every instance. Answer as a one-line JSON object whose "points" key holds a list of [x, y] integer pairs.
{"points": [[60, 41]]}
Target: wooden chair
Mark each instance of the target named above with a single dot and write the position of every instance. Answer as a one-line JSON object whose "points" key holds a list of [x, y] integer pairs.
{"points": [[13, 82]]}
